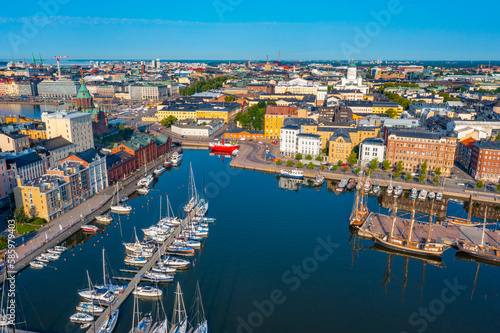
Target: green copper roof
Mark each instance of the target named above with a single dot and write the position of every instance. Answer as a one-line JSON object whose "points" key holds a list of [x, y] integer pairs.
{"points": [[352, 65], [83, 92]]}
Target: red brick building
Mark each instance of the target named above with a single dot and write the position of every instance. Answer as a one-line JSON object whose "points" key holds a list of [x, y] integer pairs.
{"points": [[485, 161], [464, 153]]}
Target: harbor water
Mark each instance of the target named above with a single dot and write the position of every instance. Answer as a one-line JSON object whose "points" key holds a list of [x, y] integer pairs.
{"points": [[279, 258]]}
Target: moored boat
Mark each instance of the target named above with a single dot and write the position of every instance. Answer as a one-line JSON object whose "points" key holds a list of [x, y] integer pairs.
{"points": [[298, 174], [431, 195], [81, 318], [89, 228], [104, 218], [37, 264], [176, 159], [147, 291], [159, 170], [342, 184], [414, 193], [319, 180], [422, 195], [223, 146]]}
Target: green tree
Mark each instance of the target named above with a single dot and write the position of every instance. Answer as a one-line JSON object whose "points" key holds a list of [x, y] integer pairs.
{"points": [[399, 166], [20, 215], [319, 158], [497, 138], [3, 242], [167, 122], [323, 167], [422, 178], [369, 172], [386, 165], [309, 157], [121, 127], [310, 165], [339, 163], [335, 168], [325, 150], [298, 156], [409, 176], [498, 188], [353, 158], [230, 98], [435, 179], [374, 164], [397, 175], [480, 184], [423, 168], [289, 163], [437, 171], [391, 113], [279, 162], [358, 170], [300, 164]]}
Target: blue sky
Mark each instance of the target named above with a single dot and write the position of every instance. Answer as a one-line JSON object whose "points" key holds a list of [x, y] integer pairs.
{"points": [[251, 29]]}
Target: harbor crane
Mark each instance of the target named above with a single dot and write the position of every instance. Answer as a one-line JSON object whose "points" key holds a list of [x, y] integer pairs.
{"points": [[59, 65]]}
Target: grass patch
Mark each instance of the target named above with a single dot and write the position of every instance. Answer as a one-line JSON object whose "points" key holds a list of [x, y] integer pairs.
{"points": [[23, 229]]}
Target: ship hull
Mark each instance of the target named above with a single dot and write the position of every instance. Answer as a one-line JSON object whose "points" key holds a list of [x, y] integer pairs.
{"points": [[404, 249], [224, 149]]}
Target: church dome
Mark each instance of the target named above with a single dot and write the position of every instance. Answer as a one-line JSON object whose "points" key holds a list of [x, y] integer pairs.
{"points": [[352, 65], [83, 92]]}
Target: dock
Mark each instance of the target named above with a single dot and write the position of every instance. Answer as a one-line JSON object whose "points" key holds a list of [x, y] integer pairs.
{"points": [[137, 279]]}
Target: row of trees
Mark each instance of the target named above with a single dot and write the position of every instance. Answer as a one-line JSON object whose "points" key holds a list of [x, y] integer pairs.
{"points": [[253, 117], [290, 163], [169, 121], [204, 86]]}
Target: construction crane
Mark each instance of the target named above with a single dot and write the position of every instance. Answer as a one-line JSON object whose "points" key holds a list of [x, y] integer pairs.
{"points": [[59, 65]]}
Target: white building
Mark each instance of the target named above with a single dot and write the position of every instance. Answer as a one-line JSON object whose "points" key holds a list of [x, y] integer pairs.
{"points": [[288, 140], [463, 127], [297, 86], [309, 144], [76, 127], [370, 149], [199, 128], [62, 88], [352, 81]]}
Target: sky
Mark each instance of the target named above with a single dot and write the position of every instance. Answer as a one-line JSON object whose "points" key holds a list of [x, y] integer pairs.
{"points": [[251, 29]]}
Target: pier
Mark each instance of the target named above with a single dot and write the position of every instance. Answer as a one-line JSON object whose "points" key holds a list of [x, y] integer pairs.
{"points": [[137, 279]]}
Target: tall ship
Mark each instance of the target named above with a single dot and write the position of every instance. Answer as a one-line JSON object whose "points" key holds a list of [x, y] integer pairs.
{"points": [[360, 211], [224, 146]]}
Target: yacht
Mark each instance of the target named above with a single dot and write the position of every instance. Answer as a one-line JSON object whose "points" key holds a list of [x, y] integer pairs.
{"points": [[60, 248], [147, 291], [398, 190], [342, 184], [81, 318], [422, 195], [139, 261], [104, 218], [298, 174], [439, 196], [414, 193], [120, 208], [89, 307], [319, 180], [49, 256], [37, 264], [390, 189], [102, 296], [159, 170], [89, 228], [143, 190], [176, 159], [175, 262], [431, 195], [160, 268], [146, 180], [158, 277]]}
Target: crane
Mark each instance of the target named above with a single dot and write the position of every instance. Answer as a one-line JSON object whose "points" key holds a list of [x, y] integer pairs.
{"points": [[59, 65]]}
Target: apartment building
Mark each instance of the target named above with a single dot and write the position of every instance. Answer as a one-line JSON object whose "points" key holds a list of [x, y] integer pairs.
{"points": [[14, 142], [76, 127], [485, 160], [96, 164], [274, 119]]}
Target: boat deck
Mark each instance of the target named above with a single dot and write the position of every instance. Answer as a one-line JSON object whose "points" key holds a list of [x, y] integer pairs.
{"points": [[440, 233]]}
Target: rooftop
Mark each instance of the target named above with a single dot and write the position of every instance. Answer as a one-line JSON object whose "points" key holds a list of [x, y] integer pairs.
{"points": [[55, 143]]}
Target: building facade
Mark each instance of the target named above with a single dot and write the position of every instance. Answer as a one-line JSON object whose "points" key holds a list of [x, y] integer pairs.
{"points": [[274, 119], [76, 127], [96, 164], [370, 149], [485, 160]]}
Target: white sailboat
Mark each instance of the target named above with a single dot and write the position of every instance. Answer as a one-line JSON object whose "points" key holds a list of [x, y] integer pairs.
{"points": [[120, 208], [200, 322], [107, 285], [192, 194], [179, 317]]}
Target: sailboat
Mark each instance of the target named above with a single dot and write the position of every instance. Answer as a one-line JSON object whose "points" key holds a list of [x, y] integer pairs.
{"points": [[390, 189], [408, 245], [462, 221], [200, 322], [110, 322], [120, 208], [147, 180], [103, 296], [144, 324], [107, 285], [202, 207], [483, 250], [360, 212], [192, 194], [179, 317]]}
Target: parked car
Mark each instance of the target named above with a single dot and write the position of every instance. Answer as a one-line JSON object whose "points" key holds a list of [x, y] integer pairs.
{"points": [[460, 184]]}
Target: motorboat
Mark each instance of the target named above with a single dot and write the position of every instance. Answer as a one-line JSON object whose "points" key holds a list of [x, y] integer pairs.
{"points": [[81, 318], [297, 174], [160, 268], [53, 251], [60, 248], [319, 180], [209, 219], [158, 277], [143, 190], [351, 184], [398, 190], [175, 262], [104, 218], [139, 261], [422, 195], [431, 195], [342, 184], [159, 170], [146, 181], [49, 256], [414, 193], [147, 291], [89, 307], [181, 250], [167, 164], [187, 243], [176, 159], [89, 228], [376, 189], [439, 196], [390, 189], [37, 264], [42, 259]]}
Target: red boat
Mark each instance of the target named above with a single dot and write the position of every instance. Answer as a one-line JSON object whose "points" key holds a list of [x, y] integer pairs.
{"points": [[224, 147], [89, 228]]}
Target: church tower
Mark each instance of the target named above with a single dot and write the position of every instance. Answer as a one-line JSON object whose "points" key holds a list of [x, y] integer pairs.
{"points": [[84, 99], [351, 72]]}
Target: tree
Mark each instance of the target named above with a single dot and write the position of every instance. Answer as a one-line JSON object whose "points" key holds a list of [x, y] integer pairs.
{"points": [[298, 156], [309, 157], [300, 164], [391, 113], [369, 172], [423, 168], [121, 127], [325, 150], [323, 167], [498, 188], [422, 178], [480, 184], [339, 163], [399, 166], [397, 175], [353, 158], [289, 163], [497, 138], [409, 176], [279, 162], [310, 165], [230, 98], [386, 165], [374, 164], [358, 170], [167, 122], [319, 158], [3, 242], [435, 179], [20, 215], [437, 172], [335, 168]]}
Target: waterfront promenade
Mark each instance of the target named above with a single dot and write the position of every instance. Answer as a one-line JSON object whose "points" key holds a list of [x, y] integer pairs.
{"points": [[59, 229]]}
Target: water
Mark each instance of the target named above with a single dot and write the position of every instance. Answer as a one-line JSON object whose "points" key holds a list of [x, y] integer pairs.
{"points": [[27, 110], [262, 235]]}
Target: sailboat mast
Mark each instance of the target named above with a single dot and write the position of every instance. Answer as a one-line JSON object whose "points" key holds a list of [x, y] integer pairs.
{"points": [[470, 209], [412, 220], [103, 268], [430, 223], [484, 227], [394, 217]]}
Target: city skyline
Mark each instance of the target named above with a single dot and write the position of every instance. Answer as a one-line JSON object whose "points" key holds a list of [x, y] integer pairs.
{"points": [[249, 31]]}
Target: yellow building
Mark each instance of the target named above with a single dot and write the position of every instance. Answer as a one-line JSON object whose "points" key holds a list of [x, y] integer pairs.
{"points": [[339, 147], [383, 107], [47, 197], [273, 120], [224, 111], [35, 134], [180, 113]]}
